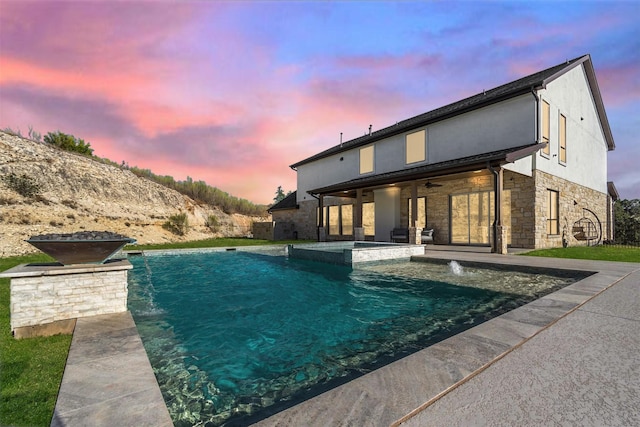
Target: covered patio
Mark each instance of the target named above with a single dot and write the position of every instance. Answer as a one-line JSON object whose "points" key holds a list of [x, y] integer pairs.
{"points": [[457, 187]]}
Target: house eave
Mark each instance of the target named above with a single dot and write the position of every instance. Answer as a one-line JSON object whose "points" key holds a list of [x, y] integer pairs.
{"points": [[449, 167]]}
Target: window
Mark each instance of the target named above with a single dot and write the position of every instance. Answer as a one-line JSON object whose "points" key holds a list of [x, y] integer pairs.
{"points": [[562, 139], [346, 219], [546, 119], [366, 159], [369, 218], [421, 218], [415, 147], [334, 220], [553, 225]]}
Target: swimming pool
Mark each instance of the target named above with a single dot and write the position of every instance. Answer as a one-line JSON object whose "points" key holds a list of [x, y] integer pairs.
{"points": [[234, 334]]}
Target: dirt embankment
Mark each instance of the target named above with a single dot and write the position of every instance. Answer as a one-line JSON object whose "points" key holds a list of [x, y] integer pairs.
{"points": [[77, 193]]}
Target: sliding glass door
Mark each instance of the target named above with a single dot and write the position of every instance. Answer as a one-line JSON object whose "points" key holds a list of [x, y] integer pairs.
{"points": [[472, 217]]}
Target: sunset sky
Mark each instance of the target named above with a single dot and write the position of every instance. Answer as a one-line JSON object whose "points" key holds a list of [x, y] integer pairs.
{"points": [[232, 93]]}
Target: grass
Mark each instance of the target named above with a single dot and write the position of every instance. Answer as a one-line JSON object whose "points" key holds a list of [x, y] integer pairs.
{"points": [[212, 243], [596, 253], [30, 369]]}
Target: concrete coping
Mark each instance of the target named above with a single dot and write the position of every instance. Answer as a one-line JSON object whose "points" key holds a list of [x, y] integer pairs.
{"points": [[56, 269]]}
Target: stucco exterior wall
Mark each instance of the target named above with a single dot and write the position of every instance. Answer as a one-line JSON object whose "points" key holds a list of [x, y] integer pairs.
{"points": [[586, 163], [510, 123]]}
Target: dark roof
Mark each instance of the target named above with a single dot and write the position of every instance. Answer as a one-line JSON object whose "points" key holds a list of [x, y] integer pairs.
{"points": [[288, 202], [464, 164], [500, 93]]}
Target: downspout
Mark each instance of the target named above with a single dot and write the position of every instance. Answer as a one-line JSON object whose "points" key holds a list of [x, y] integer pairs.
{"points": [[537, 132], [320, 218], [537, 98]]}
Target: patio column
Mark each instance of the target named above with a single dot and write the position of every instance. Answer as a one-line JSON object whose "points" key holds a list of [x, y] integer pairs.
{"points": [[322, 234], [358, 229], [499, 243], [414, 232]]}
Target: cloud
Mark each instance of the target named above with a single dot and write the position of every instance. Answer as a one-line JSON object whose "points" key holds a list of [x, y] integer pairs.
{"points": [[232, 93]]}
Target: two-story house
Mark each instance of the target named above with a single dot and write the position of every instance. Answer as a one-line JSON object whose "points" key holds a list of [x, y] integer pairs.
{"points": [[523, 164]]}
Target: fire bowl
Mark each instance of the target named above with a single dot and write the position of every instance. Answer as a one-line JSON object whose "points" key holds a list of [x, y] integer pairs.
{"points": [[86, 247]]}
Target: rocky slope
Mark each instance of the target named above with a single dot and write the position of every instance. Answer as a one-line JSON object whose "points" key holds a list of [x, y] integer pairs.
{"points": [[77, 193]]}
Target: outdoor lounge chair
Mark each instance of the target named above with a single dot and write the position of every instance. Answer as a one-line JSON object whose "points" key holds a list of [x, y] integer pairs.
{"points": [[427, 236], [400, 235]]}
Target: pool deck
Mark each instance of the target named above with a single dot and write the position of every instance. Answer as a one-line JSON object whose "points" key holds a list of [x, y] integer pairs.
{"points": [[569, 358], [108, 380]]}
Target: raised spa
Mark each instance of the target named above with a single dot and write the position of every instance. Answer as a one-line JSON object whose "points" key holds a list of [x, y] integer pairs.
{"points": [[350, 253]]}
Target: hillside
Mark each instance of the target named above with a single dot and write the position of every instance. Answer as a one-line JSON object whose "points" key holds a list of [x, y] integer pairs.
{"points": [[79, 193]]}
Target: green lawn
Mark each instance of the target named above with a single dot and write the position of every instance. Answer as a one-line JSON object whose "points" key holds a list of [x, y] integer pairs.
{"points": [[30, 369], [601, 253], [212, 243]]}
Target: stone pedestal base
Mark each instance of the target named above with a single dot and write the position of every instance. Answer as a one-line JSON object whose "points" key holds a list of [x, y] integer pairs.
{"points": [[322, 234], [415, 235], [358, 234], [46, 298], [501, 240]]}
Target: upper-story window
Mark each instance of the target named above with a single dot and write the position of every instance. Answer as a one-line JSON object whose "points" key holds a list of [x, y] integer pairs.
{"points": [[562, 139], [416, 147], [366, 159], [546, 131]]}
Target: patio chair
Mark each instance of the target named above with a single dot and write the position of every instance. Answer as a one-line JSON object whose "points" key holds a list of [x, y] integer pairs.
{"points": [[426, 235]]}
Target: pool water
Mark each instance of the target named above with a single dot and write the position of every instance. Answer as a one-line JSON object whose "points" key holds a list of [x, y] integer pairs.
{"points": [[235, 334]]}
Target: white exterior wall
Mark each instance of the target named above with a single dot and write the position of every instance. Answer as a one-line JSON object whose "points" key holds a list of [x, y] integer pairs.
{"points": [[503, 125], [586, 145], [510, 123], [387, 212]]}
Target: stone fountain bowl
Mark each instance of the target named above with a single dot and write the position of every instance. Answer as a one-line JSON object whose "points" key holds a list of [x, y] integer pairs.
{"points": [[85, 247]]}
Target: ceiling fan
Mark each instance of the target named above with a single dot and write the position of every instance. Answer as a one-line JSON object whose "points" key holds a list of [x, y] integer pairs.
{"points": [[430, 184]]}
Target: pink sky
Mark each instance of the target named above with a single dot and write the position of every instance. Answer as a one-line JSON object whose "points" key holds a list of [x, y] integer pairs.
{"points": [[233, 93]]}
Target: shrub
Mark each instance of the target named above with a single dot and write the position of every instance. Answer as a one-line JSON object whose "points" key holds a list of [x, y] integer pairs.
{"points": [[69, 143], [212, 223], [70, 203], [24, 185], [177, 224]]}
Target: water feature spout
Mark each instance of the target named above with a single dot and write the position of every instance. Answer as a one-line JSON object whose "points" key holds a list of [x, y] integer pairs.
{"points": [[456, 268]]}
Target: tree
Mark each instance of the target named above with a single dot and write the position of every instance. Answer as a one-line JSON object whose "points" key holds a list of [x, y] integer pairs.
{"points": [[627, 221], [69, 143], [279, 195]]}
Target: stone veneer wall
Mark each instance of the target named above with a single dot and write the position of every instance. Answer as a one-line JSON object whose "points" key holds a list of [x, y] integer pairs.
{"points": [[527, 196], [58, 294], [262, 230], [522, 189], [304, 219], [572, 199], [301, 220]]}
